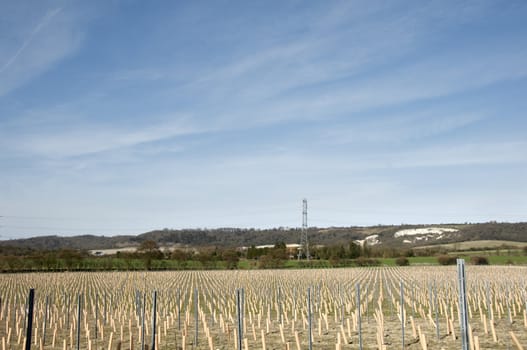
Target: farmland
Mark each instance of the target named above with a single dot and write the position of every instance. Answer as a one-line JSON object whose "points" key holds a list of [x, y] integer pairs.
{"points": [[199, 309]]}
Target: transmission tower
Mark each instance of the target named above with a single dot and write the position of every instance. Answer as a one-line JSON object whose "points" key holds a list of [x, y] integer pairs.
{"points": [[304, 243]]}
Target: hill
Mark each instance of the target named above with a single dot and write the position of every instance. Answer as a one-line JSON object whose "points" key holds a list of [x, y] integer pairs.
{"points": [[397, 236]]}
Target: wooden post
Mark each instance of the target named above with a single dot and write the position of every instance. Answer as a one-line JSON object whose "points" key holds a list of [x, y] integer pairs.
{"points": [[263, 340], [110, 341], [515, 340]]}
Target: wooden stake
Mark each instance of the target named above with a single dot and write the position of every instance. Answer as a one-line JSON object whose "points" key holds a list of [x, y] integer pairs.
{"points": [[476, 342], [493, 330], [515, 340], [414, 332], [110, 341], [297, 341], [422, 339], [263, 340]]}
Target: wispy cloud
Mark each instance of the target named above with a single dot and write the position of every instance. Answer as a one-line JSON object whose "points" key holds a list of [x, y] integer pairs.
{"points": [[362, 161], [397, 128], [48, 17], [457, 155], [368, 68], [197, 109], [52, 37], [69, 140]]}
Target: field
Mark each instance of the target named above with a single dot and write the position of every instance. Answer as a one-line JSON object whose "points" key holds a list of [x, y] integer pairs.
{"points": [[199, 309]]}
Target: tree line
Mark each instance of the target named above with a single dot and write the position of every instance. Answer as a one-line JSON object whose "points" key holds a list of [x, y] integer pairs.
{"points": [[149, 256]]}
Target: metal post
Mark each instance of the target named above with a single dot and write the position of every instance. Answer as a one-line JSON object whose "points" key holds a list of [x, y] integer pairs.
{"points": [[310, 332], [154, 306], [45, 321], [341, 307], [402, 312], [463, 316], [68, 312], [294, 303], [239, 312], [179, 309], [436, 307], [137, 304], [507, 298], [196, 316], [212, 307], [359, 316], [79, 315], [96, 315], [367, 304], [29, 329], [489, 305], [413, 300], [279, 306], [105, 309], [243, 308], [143, 323]]}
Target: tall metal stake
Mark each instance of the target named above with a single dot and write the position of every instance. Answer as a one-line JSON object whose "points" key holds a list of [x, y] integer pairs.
{"points": [[402, 312], [79, 308], [280, 306], [239, 313], [96, 316], [436, 307], [358, 316], [196, 316], [310, 331], [68, 312], [45, 321], [463, 315], [29, 329], [179, 309], [105, 310], [143, 322], [154, 307]]}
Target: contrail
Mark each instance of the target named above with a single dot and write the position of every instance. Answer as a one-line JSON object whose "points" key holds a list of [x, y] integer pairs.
{"points": [[34, 32]]}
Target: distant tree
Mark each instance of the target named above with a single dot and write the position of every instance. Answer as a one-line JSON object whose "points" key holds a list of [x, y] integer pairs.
{"points": [[149, 247], [280, 245], [525, 250], [231, 258], [180, 255], [279, 252], [362, 261], [253, 252], [479, 260], [409, 253], [206, 258], [446, 260], [50, 261], [70, 257], [11, 262], [402, 261], [334, 261], [149, 251], [366, 250], [265, 262], [354, 250]]}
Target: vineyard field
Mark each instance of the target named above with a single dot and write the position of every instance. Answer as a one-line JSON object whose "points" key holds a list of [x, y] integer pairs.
{"points": [[272, 309]]}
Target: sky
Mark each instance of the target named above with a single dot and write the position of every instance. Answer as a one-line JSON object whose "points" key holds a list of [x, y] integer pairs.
{"points": [[120, 117]]}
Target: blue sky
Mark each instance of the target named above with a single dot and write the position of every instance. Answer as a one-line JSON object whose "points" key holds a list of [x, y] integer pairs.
{"points": [[119, 117]]}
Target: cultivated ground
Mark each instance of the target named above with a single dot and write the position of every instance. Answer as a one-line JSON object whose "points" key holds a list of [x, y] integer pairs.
{"points": [[274, 308]]}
